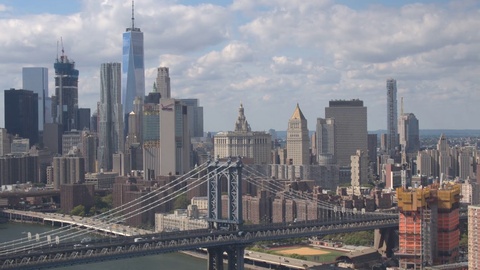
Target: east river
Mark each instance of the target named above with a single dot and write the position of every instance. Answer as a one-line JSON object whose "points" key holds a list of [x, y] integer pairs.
{"points": [[177, 261]]}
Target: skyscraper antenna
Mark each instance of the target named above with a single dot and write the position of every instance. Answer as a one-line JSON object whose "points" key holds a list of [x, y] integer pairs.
{"points": [[133, 15]]}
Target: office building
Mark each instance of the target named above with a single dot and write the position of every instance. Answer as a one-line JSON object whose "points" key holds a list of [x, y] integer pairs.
{"points": [[325, 141], [175, 146], [89, 151], [151, 139], [298, 141], [244, 142], [163, 82], [409, 133], [473, 237], [110, 115], [72, 195], [350, 128], [195, 117], [5, 142], [133, 70], [83, 119], [65, 100], [52, 137], [21, 114], [36, 79], [429, 232], [70, 140], [392, 133]]}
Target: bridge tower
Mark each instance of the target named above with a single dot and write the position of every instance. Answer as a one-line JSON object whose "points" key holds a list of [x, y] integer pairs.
{"points": [[229, 173]]}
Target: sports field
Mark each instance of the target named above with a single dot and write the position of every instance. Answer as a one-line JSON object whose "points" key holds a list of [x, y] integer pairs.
{"points": [[312, 254]]}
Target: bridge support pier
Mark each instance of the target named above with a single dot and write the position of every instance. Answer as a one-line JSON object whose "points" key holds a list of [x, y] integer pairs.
{"points": [[234, 257], [384, 241]]}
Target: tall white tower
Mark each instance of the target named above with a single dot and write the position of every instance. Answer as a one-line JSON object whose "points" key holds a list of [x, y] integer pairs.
{"points": [[298, 141]]}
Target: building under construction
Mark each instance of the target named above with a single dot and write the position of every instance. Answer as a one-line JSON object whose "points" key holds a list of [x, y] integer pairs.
{"points": [[429, 231]]}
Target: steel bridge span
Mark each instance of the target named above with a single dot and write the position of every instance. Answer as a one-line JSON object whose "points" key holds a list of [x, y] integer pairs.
{"points": [[66, 254]]}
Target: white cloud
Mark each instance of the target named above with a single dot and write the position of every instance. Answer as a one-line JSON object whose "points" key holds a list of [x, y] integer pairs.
{"points": [[270, 54]]}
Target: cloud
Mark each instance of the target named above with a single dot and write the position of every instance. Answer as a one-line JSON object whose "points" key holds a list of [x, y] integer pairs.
{"points": [[270, 54]]}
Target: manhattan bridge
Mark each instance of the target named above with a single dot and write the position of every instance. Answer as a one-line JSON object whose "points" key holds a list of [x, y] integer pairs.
{"points": [[225, 238]]}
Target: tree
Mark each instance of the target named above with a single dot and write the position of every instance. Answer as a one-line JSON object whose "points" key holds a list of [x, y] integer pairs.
{"points": [[79, 210], [181, 202]]}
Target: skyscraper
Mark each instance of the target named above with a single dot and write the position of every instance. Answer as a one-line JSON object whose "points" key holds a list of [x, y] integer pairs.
{"points": [[350, 128], [110, 113], [133, 71], [65, 101], [36, 80], [21, 114], [409, 133], [391, 116], [163, 82], [298, 140], [326, 141]]}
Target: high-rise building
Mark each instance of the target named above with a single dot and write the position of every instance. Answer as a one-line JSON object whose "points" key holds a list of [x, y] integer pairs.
{"points": [[5, 141], [350, 128], [68, 169], [244, 142], [195, 117], [473, 237], [83, 119], [89, 151], [133, 70], [325, 141], [359, 165], [175, 143], [21, 114], [163, 82], [391, 116], [65, 101], [110, 115], [70, 140], [409, 133], [298, 140], [36, 80], [429, 232], [151, 140]]}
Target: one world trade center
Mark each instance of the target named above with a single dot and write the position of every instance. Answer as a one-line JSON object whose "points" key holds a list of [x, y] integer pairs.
{"points": [[133, 71]]}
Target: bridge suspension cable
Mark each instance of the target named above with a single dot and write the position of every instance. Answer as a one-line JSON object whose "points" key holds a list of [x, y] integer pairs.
{"points": [[108, 214]]}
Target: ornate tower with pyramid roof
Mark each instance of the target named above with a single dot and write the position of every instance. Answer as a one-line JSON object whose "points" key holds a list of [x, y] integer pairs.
{"points": [[298, 141]]}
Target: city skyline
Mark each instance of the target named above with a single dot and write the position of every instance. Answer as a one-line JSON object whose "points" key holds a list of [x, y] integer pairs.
{"points": [[266, 54]]}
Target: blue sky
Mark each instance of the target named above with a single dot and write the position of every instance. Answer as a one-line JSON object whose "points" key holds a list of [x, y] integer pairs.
{"points": [[267, 54]]}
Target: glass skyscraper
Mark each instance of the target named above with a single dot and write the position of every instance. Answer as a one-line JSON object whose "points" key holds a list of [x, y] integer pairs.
{"points": [[36, 80], [133, 71]]}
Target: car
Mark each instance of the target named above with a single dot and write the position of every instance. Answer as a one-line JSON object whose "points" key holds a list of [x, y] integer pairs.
{"points": [[77, 246]]}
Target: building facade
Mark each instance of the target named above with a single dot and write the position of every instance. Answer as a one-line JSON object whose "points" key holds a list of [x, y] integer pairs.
{"points": [[133, 70], [392, 133], [325, 141], [36, 80], [110, 114], [163, 82], [21, 114], [69, 169], [298, 141], [473, 237], [243, 142], [409, 133], [350, 128], [65, 100]]}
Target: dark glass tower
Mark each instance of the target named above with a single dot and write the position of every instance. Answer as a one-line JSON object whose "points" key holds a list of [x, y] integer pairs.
{"points": [[65, 101], [133, 71], [21, 114]]}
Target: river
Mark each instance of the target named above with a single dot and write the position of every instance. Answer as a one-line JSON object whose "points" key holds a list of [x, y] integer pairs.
{"points": [[11, 231]]}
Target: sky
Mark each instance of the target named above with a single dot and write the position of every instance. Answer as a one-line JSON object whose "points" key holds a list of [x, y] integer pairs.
{"points": [[268, 55]]}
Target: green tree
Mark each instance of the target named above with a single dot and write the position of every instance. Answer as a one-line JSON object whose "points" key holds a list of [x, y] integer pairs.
{"points": [[181, 202], [79, 210]]}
